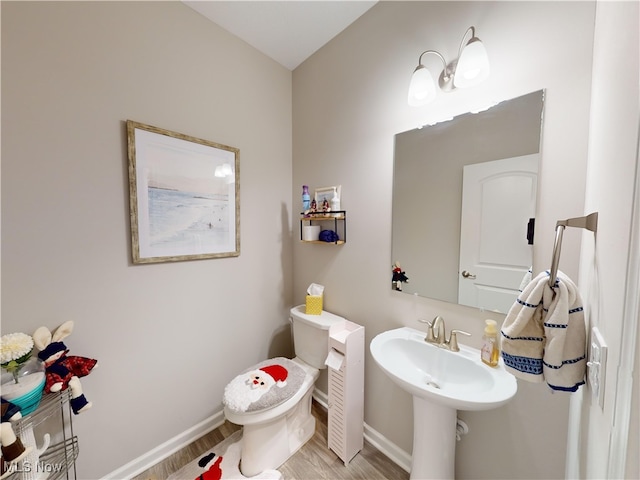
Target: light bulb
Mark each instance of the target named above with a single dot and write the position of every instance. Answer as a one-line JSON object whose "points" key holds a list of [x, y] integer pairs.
{"points": [[422, 88], [473, 65]]}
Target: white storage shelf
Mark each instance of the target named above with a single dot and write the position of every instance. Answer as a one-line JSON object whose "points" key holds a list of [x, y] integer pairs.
{"points": [[346, 392]]}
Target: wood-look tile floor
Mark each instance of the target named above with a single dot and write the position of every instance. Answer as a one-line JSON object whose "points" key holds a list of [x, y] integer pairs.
{"points": [[314, 461]]}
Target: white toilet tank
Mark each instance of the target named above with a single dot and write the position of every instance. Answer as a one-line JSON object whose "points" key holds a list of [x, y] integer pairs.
{"points": [[311, 335]]}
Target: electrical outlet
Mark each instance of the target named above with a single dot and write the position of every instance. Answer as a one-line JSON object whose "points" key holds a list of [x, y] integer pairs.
{"points": [[597, 366]]}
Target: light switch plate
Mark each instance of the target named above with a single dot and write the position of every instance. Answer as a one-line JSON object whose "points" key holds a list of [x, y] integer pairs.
{"points": [[597, 366]]}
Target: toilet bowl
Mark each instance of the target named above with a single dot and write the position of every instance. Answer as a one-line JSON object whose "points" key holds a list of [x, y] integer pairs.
{"points": [[278, 421]]}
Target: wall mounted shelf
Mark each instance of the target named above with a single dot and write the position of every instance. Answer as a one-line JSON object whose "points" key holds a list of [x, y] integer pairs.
{"points": [[339, 219]]}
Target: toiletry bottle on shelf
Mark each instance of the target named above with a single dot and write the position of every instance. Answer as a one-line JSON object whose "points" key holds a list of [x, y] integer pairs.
{"points": [[335, 202], [490, 353], [306, 199]]}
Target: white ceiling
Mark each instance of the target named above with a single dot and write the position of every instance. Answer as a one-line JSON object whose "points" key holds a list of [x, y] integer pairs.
{"points": [[287, 31]]}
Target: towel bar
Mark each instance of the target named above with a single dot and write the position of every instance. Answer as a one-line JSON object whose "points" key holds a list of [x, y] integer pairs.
{"points": [[590, 222]]}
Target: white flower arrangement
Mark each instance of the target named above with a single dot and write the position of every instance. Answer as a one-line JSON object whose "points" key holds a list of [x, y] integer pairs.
{"points": [[15, 349]]}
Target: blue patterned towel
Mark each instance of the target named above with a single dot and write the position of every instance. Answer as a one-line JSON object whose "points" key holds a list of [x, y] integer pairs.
{"points": [[543, 337]]}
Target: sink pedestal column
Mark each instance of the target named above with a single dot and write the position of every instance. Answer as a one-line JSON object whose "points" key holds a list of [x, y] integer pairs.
{"points": [[434, 440]]}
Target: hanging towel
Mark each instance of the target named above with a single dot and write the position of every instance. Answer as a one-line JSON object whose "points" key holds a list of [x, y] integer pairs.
{"points": [[522, 333], [543, 336], [526, 279], [565, 356]]}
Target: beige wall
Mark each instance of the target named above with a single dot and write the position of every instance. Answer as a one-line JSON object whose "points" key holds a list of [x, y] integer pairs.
{"points": [[168, 336], [610, 284], [72, 73], [349, 100]]}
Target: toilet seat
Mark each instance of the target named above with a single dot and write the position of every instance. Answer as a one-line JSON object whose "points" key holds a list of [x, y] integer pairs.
{"points": [[265, 386]]}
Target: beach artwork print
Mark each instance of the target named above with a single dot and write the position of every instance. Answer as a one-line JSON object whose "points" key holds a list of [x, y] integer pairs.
{"points": [[183, 196]]}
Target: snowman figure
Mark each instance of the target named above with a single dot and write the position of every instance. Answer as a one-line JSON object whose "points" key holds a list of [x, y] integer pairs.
{"points": [[399, 276]]}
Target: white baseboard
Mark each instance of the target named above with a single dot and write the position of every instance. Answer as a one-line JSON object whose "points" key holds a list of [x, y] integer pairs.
{"points": [[379, 441], [161, 452], [387, 448], [321, 397]]}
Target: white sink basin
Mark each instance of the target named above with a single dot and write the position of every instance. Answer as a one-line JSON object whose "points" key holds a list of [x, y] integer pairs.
{"points": [[458, 380]]}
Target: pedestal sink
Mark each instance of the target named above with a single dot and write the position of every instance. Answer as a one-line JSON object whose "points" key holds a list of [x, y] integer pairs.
{"points": [[441, 382]]}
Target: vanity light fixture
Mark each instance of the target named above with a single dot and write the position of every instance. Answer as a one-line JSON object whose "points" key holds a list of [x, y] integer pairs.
{"points": [[469, 69]]}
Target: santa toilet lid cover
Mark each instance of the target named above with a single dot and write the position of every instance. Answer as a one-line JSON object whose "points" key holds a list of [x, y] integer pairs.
{"points": [[264, 386]]}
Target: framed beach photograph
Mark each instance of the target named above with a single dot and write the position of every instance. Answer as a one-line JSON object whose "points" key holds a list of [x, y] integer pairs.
{"points": [[326, 193], [184, 195]]}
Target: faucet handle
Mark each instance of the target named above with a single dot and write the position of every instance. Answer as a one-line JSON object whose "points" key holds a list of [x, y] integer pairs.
{"points": [[453, 339], [429, 337]]}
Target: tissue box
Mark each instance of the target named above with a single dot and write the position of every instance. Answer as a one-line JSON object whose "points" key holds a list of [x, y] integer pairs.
{"points": [[313, 305]]}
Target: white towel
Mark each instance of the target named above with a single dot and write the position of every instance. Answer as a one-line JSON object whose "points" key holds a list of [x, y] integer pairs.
{"points": [[522, 332], [526, 279], [543, 336]]}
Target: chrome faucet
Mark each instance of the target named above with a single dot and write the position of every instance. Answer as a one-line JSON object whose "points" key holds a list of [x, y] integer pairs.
{"points": [[436, 334]]}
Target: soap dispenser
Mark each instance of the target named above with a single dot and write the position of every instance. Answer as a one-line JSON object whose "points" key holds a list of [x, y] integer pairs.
{"points": [[335, 202], [490, 353]]}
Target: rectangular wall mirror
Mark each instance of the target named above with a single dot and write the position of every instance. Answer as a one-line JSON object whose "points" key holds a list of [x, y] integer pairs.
{"points": [[464, 204]]}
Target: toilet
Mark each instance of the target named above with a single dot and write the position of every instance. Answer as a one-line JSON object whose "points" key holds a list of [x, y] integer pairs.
{"points": [[272, 400]]}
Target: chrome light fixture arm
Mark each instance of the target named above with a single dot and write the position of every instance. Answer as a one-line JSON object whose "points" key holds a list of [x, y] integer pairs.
{"points": [[446, 73], [468, 69], [471, 29]]}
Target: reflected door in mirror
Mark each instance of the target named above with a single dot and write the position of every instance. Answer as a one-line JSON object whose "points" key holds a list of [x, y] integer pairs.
{"points": [[494, 251]]}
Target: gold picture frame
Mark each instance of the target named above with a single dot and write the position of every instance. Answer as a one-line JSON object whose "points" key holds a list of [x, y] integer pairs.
{"points": [[184, 196], [326, 193]]}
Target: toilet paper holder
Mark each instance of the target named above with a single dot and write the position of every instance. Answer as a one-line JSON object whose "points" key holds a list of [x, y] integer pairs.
{"points": [[345, 432]]}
